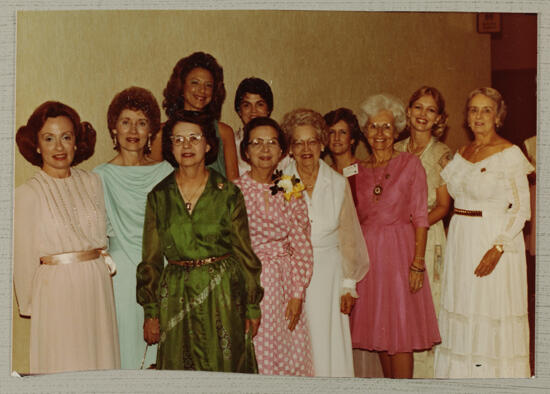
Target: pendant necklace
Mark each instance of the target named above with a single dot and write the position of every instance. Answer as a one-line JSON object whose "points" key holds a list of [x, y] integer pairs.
{"points": [[189, 201], [378, 188]]}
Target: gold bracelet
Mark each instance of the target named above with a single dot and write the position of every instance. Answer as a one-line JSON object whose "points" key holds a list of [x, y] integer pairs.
{"points": [[421, 258], [499, 248], [416, 269]]}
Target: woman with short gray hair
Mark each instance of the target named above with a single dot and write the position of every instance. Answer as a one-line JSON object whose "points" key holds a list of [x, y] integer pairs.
{"points": [[394, 314]]}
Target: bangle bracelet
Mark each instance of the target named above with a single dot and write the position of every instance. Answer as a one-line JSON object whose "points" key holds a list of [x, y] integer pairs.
{"points": [[416, 269], [499, 248], [421, 258]]}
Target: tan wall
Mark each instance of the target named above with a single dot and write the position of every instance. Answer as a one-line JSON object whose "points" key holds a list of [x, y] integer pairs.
{"points": [[321, 60]]}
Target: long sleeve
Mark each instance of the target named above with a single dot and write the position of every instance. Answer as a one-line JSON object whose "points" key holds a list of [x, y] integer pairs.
{"points": [[300, 244], [25, 253], [152, 264], [355, 257], [520, 210], [242, 250]]}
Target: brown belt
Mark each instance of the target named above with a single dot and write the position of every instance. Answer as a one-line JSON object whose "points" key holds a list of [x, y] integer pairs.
{"points": [[465, 212], [198, 263], [71, 257]]}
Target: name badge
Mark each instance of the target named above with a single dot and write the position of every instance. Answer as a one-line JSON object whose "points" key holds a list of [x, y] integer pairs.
{"points": [[351, 170]]}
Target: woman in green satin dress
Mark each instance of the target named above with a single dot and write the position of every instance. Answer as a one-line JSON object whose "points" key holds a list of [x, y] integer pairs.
{"points": [[203, 306]]}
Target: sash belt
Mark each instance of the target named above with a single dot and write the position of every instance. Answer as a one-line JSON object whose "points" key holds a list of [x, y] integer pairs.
{"points": [[198, 263], [76, 257], [465, 212]]}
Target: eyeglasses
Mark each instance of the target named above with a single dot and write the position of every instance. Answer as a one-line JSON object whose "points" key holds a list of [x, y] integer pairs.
{"points": [[193, 139], [257, 143], [386, 128], [301, 144]]}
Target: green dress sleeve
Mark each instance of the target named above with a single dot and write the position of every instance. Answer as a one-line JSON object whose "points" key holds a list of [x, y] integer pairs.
{"points": [[152, 264], [242, 250]]}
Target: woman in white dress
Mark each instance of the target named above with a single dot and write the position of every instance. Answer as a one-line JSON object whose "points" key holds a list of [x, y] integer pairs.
{"points": [[483, 317], [426, 122], [340, 257], [62, 274]]}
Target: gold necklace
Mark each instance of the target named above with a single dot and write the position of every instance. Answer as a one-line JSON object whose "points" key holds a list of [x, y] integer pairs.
{"points": [[189, 201]]}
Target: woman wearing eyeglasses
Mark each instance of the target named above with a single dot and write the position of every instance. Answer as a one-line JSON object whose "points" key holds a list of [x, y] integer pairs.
{"points": [[203, 306], [394, 314], [340, 256], [280, 232]]}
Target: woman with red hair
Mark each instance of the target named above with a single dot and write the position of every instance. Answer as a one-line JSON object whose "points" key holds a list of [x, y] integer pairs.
{"points": [[62, 274]]}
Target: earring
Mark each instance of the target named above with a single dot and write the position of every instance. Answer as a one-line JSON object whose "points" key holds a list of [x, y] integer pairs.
{"points": [[38, 151], [75, 147], [115, 142], [149, 143]]}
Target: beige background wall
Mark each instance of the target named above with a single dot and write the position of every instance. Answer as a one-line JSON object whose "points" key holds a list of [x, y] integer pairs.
{"points": [[321, 60]]}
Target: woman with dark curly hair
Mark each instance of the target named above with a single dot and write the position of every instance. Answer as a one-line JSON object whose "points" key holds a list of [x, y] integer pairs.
{"points": [[203, 306], [62, 274], [196, 85], [426, 122], [133, 119]]}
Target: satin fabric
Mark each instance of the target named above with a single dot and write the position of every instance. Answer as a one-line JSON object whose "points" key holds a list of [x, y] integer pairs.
{"points": [[201, 310]]}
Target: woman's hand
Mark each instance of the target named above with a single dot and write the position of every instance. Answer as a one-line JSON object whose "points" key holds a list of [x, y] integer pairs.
{"points": [[293, 312], [151, 331], [488, 262], [346, 303], [416, 280], [252, 324]]}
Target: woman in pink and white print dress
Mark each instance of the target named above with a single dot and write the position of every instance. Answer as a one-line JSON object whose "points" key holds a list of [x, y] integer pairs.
{"points": [[280, 234]]}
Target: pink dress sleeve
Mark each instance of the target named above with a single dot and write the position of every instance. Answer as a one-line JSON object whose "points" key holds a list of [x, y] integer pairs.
{"points": [[419, 194], [299, 238], [26, 256]]}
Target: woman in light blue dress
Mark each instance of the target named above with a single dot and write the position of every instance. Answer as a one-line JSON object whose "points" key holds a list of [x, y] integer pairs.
{"points": [[133, 119]]}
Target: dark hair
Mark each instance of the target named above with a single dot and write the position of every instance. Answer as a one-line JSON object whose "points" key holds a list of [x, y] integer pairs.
{"points": [[27, 136], [349, 117], [135, 99], [255, 86], [438, 128], [257, 122], [173, 93], [208, 130]]}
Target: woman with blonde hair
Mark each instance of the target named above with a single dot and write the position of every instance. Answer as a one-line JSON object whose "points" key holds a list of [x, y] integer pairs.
{"points": [[426, 123]]}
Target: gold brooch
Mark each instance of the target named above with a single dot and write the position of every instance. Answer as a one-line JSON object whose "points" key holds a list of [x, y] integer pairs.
{"points": [[220, 186]]}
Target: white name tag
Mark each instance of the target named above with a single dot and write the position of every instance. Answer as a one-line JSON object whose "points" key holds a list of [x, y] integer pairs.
{"points": [[351, 170]]}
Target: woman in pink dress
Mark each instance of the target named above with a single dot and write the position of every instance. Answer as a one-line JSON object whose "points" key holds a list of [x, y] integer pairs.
{"points": [[61, 272], [394, 314], [280, 233]]}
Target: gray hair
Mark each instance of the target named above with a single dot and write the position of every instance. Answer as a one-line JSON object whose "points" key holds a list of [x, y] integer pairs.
{"points": [[304, 117], [373, 105]]}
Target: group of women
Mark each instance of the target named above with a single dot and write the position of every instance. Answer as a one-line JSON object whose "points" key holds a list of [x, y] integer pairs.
{"points": [[291, 268]]}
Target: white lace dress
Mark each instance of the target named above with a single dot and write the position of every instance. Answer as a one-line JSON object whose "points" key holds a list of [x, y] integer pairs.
{"points": [[483, 321]]}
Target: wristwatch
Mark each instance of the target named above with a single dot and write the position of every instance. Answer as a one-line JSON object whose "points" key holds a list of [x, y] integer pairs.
{"points": [[499, 248]]}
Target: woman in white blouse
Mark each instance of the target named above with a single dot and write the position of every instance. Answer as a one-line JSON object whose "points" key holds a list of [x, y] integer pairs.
{"points": [[340, 257]]}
